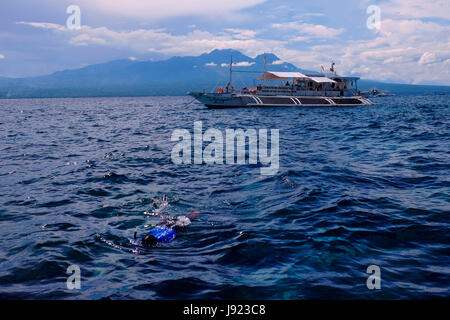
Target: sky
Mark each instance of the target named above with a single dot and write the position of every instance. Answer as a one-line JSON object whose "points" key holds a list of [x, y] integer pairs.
{"points": [[410, 45]]}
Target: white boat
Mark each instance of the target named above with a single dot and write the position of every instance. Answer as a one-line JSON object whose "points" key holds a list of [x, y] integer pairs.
{"points": [[296, 89]]}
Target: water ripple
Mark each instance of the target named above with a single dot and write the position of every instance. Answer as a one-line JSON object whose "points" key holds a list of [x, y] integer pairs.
{"points": [[356, 187]]}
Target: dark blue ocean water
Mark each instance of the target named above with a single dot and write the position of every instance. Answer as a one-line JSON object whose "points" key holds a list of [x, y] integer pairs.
{"points": [[356, 187]]}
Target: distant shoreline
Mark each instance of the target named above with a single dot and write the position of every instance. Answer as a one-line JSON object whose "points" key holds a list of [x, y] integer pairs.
{"points": [[172, 77], [177, 90]]}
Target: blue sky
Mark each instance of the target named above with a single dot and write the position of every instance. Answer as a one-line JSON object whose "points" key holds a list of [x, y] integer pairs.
{"points": [[412, 44]]}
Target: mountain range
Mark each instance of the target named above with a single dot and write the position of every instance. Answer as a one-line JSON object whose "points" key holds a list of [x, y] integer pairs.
{"points": [[174, 76]]}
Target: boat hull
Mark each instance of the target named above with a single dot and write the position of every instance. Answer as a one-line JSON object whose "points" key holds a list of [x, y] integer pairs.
{"points": [[228, 100]]}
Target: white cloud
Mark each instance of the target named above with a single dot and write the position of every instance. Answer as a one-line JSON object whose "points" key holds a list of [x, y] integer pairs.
{"points": [[242, 33], [312, 14], [44, 25], [300, 39], [132, 58], [2, 56], [210, 64], [410, 51], [159, 40], [416, 9], [239, 64], [243, 64], [427, 57], [307, 30], [159, 9]]}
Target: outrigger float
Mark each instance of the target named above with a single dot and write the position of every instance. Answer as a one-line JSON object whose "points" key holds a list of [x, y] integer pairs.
{"points": [[307, 90]]}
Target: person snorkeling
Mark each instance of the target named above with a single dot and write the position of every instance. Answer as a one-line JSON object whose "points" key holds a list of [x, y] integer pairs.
{"points": [[165, 232]]}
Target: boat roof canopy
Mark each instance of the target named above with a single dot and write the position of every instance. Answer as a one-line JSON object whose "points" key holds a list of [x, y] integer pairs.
{"points": [[276, 75], [321, 80], [332, 76], [318, 78]]}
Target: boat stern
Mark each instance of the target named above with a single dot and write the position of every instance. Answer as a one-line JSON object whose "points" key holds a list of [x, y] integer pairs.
{"points": [[216, 100], [195, 94]]}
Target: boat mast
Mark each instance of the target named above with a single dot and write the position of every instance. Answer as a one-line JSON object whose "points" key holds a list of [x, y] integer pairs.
{"points": [[265, 69], [231, 70]]}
